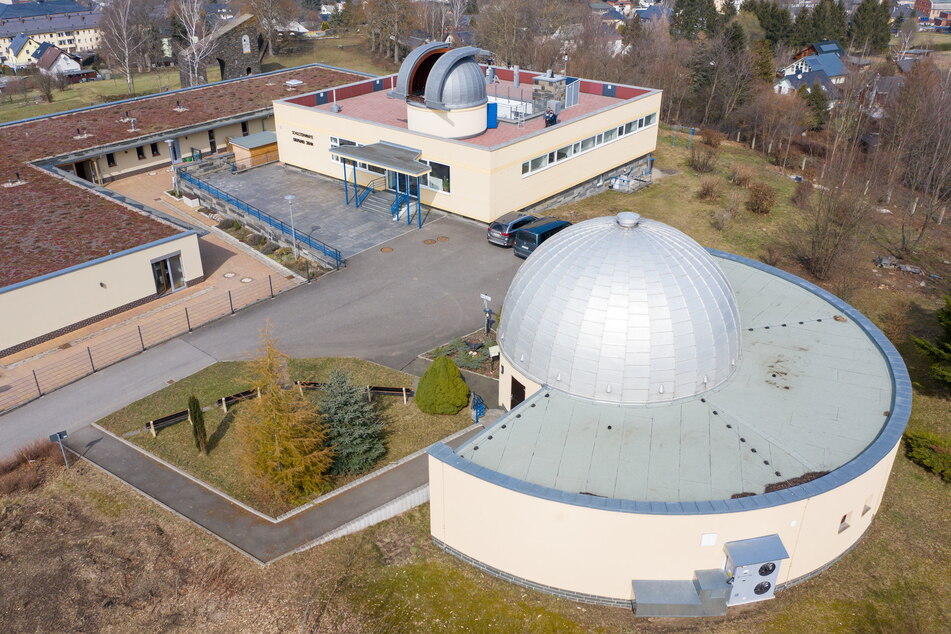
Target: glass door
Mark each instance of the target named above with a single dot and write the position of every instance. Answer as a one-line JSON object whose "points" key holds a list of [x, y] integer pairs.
{"points": [[168, 274]]}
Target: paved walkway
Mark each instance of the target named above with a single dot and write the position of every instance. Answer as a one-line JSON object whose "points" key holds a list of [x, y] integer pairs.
{"points": [[384, 307], [319, 209], [255, 536]]}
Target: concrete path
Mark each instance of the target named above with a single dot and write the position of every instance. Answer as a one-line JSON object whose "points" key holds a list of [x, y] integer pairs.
{"points": [[255, 536], [385, 307]]}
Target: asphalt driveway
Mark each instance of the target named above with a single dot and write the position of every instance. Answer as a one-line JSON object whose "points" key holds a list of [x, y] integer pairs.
{"points": [[385, 306]]}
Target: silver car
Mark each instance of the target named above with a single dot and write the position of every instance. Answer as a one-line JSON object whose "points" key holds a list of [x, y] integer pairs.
{"points": [[502, 231]]}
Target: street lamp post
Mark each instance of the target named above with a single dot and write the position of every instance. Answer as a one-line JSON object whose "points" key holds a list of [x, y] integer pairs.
{"points": [[290, 206]]}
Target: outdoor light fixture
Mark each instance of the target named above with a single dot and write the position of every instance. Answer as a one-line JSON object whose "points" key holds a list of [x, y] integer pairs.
{"points": [[290, 206]]}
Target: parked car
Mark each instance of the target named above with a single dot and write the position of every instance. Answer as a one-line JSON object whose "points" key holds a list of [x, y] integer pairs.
{"points": [[531, 235], [502, 231]]}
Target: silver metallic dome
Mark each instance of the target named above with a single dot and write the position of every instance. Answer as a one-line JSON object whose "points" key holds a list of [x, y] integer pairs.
{"points": [[456, 81], [622, 309]]}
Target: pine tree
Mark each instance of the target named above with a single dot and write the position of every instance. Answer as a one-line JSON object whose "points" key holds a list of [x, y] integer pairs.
{"points": [[283, 443], [776, 21], [818, 102], [441, 389], [939, 351], [804, 29], [354, 426], [870, 29], [690, 17], [764, 67], [197, 418]]}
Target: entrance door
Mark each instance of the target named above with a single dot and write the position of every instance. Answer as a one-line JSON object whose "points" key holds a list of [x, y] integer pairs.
{"points": [[168, 274], [405, 183], [518, 393]]}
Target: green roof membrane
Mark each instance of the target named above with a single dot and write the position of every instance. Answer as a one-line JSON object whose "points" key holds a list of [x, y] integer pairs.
{"points": [[811, 391]]}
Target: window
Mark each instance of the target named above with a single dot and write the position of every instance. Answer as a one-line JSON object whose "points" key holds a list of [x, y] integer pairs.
{"points": [[608, 136], [140, 152], [244, 128], [844, 522], [155, 149], [438, 178], [212, 145], [338, 142], [168, 274], [867, 507], [111, 159]]}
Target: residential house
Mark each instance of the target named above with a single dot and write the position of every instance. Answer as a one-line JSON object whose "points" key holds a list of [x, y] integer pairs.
{"points": [[931, 10], [810, 80], [881, 92], [72, 32], [829, 63], [820, 48]]}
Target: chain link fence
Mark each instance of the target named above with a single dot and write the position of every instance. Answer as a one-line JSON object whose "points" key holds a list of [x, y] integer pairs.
{"points": [[77, 362]]}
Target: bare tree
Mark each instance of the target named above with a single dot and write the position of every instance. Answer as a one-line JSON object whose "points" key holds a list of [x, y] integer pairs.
{"points": [[654, 58], [388, 22], [433, 18], [272, 15], [123, 26], [455, 10], [44, 84], [199, 38], [907, 34]]}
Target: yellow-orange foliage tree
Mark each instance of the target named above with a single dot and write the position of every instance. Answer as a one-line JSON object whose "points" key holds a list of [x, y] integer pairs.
{"points": [[283, 441]]}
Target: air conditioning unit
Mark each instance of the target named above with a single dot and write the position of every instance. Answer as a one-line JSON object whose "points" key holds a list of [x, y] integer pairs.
{"points": [[752, 568]]}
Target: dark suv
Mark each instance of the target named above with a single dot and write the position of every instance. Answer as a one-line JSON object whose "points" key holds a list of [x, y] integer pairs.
{"points": [[502, 231], [531, 235]]}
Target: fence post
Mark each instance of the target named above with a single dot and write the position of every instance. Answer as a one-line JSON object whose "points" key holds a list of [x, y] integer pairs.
{"points": [[89, 352], [141, 340], [270, 285], [230, 302], [188, 322], [37, 381]]}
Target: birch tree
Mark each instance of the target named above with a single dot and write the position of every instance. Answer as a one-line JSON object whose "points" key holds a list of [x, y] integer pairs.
{"points": [[123, 26], [199, 39]]}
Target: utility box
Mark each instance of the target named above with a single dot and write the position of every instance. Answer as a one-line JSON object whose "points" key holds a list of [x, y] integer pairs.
{"points": [[752, 568]]}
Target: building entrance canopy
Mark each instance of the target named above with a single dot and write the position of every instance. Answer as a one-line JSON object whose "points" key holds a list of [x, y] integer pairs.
{"points": [[399, 162], [389, 156]]}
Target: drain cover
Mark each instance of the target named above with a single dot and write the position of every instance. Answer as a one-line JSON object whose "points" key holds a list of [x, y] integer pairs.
{"points": [[387, 249], [443, 238], [245, 280], [228, 275], [429, 241]]}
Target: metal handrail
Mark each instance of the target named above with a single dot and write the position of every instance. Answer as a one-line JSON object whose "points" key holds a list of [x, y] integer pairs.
{"points": [[333, 255], [401, 198], [375, 185]]}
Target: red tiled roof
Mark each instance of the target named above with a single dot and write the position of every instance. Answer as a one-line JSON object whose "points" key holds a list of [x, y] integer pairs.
{"points": [[49, 224], [48, 58]]}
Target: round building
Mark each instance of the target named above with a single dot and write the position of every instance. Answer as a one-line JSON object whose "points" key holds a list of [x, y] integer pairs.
{"points": [[687, 429]]}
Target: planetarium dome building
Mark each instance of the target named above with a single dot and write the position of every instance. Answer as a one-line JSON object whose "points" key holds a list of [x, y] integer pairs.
{"points": [[687, 429]]}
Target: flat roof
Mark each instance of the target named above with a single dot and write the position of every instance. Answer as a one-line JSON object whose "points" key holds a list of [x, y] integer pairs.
{"points": [[811, 392], [374, 106], [385, 155], [50, 224], [257, 140]]}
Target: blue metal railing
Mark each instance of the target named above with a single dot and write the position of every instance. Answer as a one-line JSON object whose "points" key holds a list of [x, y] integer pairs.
{"points": [[333, 255], [371, 187], [478, 407], [401, 199]]}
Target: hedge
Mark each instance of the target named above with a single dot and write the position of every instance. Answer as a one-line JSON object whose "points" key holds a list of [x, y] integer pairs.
{"points": [[931, 451]]}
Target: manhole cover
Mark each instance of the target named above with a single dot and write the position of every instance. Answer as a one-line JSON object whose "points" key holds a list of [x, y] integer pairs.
{"points": [[245, 280], [229, 275], [170, 381], [429, 241], [443, 238], [65, 346], [387, 249]]}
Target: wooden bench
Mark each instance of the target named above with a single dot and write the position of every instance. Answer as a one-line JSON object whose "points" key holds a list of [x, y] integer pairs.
{"points": [[166, 421], [228, 401]]}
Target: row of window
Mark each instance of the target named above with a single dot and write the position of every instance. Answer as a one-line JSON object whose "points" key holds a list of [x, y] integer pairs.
{"points": [[438, 179], [580, 147], [139, 152]]}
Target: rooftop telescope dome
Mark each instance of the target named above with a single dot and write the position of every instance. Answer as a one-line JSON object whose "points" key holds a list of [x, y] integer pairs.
{"points": [[622, 309]]}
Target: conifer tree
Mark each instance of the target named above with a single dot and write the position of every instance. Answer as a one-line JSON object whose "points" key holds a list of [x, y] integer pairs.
{"points": [[441, 389], [690, 17], [764, 67], [354, 426], [818, 102], [197, 418], [283, 442], [939, 351], [870, 29]]}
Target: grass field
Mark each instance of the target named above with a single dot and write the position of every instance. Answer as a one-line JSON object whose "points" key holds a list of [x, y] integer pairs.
{"points": [[347, 51], [408, 429]]}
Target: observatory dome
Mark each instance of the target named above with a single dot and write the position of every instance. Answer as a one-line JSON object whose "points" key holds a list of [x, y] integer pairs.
{"points": [[624, 310], [459, 83]]}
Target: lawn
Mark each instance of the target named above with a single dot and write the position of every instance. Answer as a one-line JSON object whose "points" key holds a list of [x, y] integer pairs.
{"points": [[408, 429]]}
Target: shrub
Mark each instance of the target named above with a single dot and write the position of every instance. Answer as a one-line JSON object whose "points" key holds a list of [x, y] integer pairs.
{"points": [[741, 175], [712, 137], [227, 223], [710, 188], [197, 419], [441, 389], [721, 219], [269, 248], [761, 200], [703, 159], [772, 256], [255, 240], [800, 197], [931, 451]]}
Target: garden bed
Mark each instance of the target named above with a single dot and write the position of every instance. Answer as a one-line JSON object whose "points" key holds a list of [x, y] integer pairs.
{"points": [[284, 256], [470, 352], [408, 429]]}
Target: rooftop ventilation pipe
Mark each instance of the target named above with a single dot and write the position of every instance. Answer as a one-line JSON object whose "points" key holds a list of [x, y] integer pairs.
{"points": [[515, 77]]}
